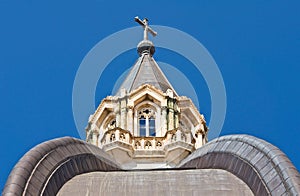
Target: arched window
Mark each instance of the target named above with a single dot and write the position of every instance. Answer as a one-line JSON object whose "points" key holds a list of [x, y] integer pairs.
{"points": [[146, 122], [142, 126], [111, 124], [151, 126]]}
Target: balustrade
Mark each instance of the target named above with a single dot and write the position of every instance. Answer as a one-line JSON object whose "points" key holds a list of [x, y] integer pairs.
{"points": [[144, 143]]}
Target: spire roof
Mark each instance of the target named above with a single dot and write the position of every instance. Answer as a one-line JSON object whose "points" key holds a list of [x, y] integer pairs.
{"points": [[145, 71]]}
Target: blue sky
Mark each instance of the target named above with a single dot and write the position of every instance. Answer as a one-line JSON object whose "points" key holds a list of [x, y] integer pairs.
{"points": [[255, 44]]}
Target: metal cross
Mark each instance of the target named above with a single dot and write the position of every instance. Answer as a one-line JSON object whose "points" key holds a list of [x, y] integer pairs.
{"points": [[146, 27]]}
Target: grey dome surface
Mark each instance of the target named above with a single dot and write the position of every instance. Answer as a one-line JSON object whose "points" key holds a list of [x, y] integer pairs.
{"points": [[45, 168], [157, 182], [260, 165]]}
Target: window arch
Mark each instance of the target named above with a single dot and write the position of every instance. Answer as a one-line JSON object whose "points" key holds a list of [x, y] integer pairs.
{"points": [[142, 124], [146, 119], [148, 145], [112, 137], [137, 145], [111, 124], [122, 137], [158, 144]]}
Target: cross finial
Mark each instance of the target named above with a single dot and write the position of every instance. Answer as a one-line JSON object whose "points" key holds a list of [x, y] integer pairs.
{"points": [[144, 24]]}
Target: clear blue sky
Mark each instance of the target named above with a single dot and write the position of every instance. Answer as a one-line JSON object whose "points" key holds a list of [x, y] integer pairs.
{"points": [[255, 43]]}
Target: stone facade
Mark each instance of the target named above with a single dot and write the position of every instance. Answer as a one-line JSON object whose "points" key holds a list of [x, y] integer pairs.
{"points": [[147, 126]]}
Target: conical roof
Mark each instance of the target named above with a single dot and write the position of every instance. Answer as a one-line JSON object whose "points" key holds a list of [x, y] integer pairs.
{"points": [[145, 71]]}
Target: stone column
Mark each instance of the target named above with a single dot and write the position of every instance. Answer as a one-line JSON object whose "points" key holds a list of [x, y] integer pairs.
{"points": [[153, 142], [170, 114], [164, 121], [171, 119], [135, 125], [168, 139], [127, 137], [176, 116], [123, 114], [142, 143], [118, 117], [199, 140], [188, 138], [107, 138], [117, 134], [95, 137], [130, 119], [178, 135], [147, 126]]}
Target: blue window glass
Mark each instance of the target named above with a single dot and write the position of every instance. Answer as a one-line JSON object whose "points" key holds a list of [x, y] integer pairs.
{"points": [[151, 126], [142, 125]]}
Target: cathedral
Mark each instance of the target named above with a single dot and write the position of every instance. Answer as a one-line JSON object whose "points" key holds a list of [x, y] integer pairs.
{"points": [[147, 124], [146, 139]]}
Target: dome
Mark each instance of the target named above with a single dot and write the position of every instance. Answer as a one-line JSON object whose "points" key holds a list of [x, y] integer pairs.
{"points": [[145, 46]]}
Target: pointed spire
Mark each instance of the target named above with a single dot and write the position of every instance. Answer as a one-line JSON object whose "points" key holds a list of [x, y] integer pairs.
{"points": [[145, 70]]}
